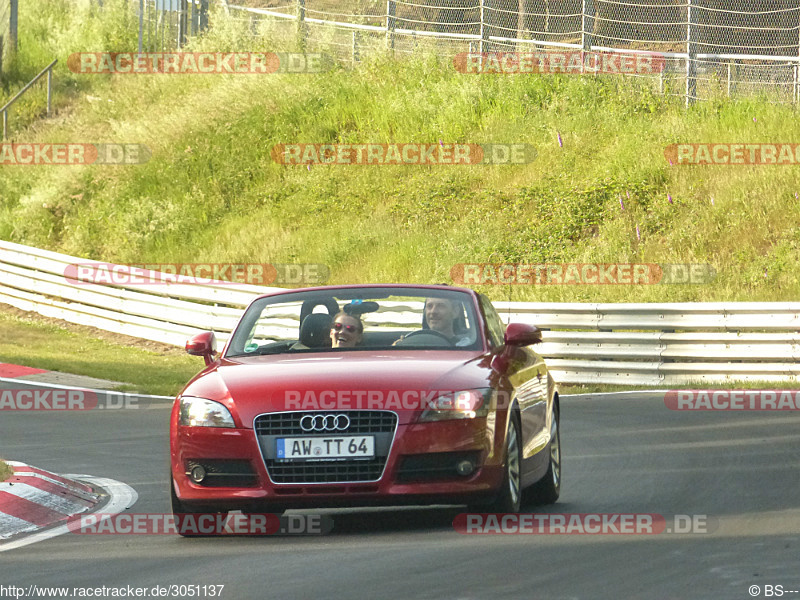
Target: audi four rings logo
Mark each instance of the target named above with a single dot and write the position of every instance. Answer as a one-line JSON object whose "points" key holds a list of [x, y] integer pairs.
{"points": [[324, 422]]}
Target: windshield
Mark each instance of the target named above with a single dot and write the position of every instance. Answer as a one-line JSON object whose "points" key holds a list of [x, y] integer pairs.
{"points": [[357, 319]]}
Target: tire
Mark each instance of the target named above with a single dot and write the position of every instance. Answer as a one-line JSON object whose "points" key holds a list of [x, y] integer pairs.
{"points": [[509, 497], [548, 488], [179, 508]]}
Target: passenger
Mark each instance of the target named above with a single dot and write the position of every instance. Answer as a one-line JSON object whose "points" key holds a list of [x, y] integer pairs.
{"points": [[346, 331]]}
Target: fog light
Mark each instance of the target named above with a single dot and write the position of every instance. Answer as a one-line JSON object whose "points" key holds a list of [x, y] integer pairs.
{"points": [[197, 474], [465, 467]]}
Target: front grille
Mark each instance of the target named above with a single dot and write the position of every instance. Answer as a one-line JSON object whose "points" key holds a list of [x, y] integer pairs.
{"points": [[378, 423], [361, 421], [326, 471]]}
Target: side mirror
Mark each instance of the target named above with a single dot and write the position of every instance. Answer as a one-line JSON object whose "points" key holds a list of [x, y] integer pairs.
{"points": [[522, 334], [203, 344], [517, 335]]}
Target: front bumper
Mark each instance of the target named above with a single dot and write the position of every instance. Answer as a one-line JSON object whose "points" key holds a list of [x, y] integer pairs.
{"points": [[417, 470]]}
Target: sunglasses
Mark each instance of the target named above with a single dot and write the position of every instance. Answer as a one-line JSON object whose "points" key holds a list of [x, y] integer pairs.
{"points": [[339, 326]]}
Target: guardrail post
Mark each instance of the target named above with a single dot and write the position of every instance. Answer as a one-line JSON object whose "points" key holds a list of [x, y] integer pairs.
{"points": [[691, 51], [391, 23]]}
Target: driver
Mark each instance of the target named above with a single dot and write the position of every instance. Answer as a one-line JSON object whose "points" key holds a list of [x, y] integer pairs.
{"points": [[441, 314]]}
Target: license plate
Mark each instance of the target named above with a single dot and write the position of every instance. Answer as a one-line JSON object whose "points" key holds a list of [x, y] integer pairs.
{"points": [[354, 446]]}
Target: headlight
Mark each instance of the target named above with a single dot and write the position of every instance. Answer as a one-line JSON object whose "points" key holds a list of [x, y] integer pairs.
{"points": [[199, 412], [466, 404]]}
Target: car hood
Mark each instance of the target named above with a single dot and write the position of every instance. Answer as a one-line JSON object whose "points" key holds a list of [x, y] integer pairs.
{"points": [[250, 386]]}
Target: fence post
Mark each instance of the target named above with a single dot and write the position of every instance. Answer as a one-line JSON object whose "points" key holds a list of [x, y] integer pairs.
{"points": [[588, 25], [391, 12], [796, 91], [356, 40], [301, 25], [691, 60], [12, 24], [49, 90], [484, 46], [141, 25], [183, 10], [203, 15], [195, 16]]}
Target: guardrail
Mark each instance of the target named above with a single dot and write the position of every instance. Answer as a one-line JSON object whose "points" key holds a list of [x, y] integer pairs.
{"points": [[635, 344], [49, 70]]}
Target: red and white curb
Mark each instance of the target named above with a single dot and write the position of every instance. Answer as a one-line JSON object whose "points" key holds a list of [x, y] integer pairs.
{"points": [[33, 499]]}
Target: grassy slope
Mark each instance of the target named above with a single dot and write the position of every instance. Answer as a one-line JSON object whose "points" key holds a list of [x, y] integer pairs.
{"points": [[211, 191], [5, 471]]}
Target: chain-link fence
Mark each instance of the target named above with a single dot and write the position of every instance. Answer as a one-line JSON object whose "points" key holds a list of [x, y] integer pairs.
{"points": [[167, 24], [705, 48]]}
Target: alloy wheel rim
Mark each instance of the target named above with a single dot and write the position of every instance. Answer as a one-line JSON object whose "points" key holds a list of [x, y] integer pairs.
{"points": [[555, 453], [513, 464]]}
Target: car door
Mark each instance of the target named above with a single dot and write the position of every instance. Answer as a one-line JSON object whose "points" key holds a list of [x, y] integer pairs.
{"points": [[528, 376]]}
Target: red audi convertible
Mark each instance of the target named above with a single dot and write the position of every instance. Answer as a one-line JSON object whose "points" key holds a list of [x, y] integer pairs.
{"points": [[364, 395]]}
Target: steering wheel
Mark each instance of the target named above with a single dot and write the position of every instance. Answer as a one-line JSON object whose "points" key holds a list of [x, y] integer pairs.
{"points": [[429, 332]]}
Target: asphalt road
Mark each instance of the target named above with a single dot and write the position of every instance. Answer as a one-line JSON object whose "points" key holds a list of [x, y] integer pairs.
{"points": [[740, 470]]}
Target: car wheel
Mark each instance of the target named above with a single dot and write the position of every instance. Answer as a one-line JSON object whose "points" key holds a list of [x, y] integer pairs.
{"points": [[548, 488], [179, 508], [510, 495]]}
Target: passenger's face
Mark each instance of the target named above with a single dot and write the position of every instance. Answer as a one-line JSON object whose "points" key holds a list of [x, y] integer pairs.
{"points": [[345, 332], [440, 314]]}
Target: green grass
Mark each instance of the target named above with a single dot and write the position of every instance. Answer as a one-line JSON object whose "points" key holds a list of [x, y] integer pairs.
{"points": [[212, 193], [81, 351], [5, 471]]}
